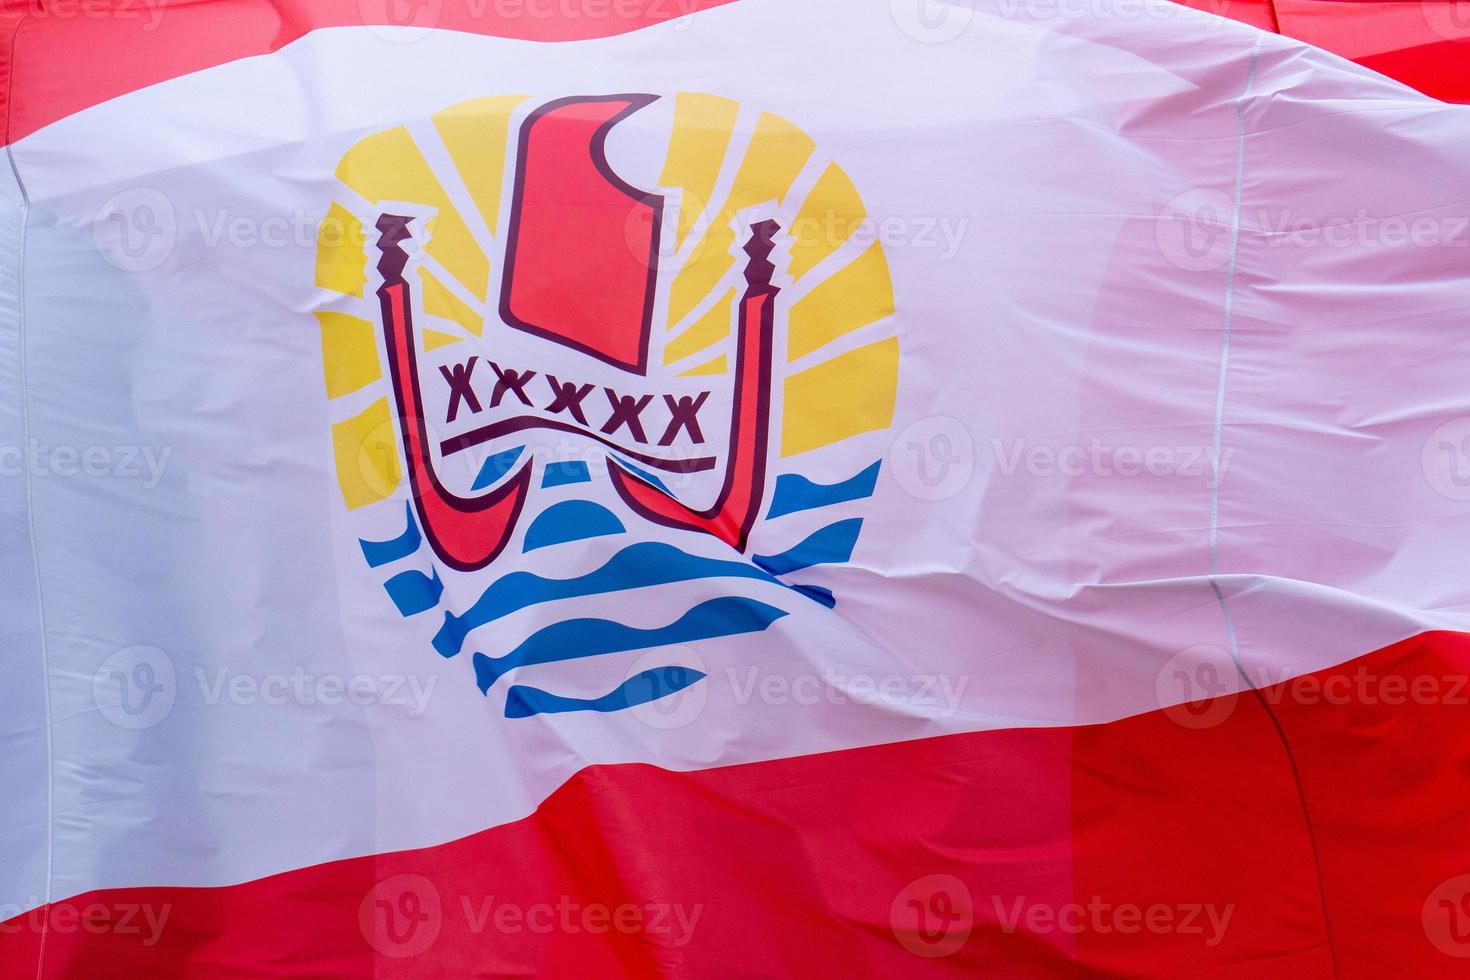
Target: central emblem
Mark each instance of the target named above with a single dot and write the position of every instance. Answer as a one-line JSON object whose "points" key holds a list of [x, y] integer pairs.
{"points": [[556, 379]]}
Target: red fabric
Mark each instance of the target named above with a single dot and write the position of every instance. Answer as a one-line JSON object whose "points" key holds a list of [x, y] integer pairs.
{"points": [[801, 867], [56, 60], [58, 57], [1422, 43], [582, 244]]}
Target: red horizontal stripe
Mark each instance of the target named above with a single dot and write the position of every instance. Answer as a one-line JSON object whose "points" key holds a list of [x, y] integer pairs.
{"points": [[58, 57], [1423, 43], [801, 867], [1440, 68]]}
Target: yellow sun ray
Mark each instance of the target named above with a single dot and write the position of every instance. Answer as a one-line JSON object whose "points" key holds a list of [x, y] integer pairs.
{"points": [[777, 154], [389, 167]]}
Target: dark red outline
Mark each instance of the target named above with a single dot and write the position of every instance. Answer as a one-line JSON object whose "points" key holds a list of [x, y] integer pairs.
{"points": [[754, 346], [394, 297], [521, 423]]}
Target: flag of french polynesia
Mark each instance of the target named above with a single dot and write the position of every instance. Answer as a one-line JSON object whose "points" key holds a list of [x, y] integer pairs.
{"points": [[652, 488]]}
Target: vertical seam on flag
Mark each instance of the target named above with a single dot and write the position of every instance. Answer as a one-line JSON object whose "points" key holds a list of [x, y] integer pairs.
{"points": [[1229, 313], [1217, 479], [25, 424], [10, 81]]}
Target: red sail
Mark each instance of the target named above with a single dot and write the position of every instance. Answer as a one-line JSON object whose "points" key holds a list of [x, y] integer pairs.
{"points": [[582, 249]]}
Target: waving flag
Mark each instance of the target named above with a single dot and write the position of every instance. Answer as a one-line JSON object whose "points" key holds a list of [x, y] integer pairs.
{"points": [[738, 489]]}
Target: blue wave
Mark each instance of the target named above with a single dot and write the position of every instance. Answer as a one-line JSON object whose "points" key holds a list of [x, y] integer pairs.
{"points": [[571, 520], [795, 492], [414, 592], [382, 552], [650, 685], [817, 594], [636, 566], [494, 468], [564, 473], [578, 638], [832, 545]]}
